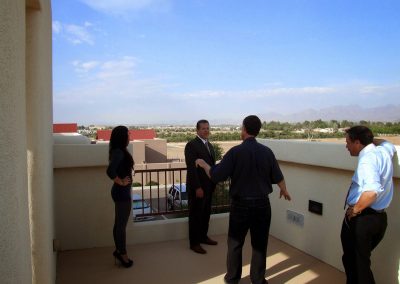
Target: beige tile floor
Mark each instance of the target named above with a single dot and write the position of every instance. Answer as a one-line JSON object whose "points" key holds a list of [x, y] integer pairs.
{"points": [[173, 262]]}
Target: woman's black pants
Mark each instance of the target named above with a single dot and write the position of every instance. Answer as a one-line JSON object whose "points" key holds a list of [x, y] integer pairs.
{"points": [[122, 212]]}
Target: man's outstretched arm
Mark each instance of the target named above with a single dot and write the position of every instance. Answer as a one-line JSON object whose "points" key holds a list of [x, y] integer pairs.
{"points": [[204, 165]]}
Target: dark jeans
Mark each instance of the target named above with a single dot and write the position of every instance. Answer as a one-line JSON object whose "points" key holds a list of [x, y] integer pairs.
{"points": [[122, 212], [244, 215], [359, 237], [199, 217]]}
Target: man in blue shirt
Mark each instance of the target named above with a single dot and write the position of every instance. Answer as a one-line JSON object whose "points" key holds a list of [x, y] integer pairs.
{"points": [[252, 168], [370, 193]]}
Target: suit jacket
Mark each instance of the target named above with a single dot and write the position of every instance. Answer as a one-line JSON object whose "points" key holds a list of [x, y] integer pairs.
{"points": [[196, 176]]}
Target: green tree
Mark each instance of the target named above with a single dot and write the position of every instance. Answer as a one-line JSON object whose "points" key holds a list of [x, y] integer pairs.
{"points": [[219, 152]]}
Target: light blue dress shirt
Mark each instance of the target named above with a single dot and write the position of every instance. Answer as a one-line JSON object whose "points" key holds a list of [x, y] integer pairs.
{"points": [[374, 173]]}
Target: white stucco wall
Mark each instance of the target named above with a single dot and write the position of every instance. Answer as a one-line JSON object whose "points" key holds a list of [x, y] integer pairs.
{"points": [[25, 160], [70, 138], [39, 130], [15, 250]]}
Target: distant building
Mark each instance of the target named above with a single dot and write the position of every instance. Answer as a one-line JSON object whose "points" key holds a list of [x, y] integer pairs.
{"points": [[134, 134], [65, 128], [324, 130], [67, 133], [147, 148]]}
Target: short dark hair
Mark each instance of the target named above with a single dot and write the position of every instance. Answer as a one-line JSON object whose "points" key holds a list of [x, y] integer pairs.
{"points": [[200, 122], [252, 124], [361, 133]]}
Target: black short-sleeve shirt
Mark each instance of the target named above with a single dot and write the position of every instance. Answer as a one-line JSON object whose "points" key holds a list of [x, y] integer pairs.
{"points": [[252, 168]]}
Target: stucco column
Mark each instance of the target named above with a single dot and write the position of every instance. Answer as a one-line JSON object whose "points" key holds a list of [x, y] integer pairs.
{"points": [[40, 140], [15, 250]]}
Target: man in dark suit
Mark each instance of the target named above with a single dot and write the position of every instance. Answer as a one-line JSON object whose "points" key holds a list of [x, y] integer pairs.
{"points": [[200, 187]]}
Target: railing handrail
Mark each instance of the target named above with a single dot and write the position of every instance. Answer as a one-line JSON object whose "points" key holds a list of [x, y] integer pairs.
{"points": [[160, 170]]}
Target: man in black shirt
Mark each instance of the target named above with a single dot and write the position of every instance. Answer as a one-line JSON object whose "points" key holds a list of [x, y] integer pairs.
{"points": [[253, 169]]}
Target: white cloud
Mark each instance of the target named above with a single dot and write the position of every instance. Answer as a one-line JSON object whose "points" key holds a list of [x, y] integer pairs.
{"points": [[85, 67], [57, 27], [203, 94], [260, 93], [288, 99], [121, 68], [75, 34], [88, 24], [110, 80], [113, 91], [123, 7], [312, 90], [78, 34]]}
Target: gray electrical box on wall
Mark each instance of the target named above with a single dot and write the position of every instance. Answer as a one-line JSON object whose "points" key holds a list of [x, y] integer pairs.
{"points": [[295, 218]]}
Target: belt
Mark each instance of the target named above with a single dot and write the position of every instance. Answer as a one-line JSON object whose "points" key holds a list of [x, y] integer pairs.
{"points": [[250, 201], [249, 198], [369, 209]]}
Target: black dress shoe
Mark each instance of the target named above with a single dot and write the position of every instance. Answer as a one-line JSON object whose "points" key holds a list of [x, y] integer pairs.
{"points": [[209, 241], [198, 249]]}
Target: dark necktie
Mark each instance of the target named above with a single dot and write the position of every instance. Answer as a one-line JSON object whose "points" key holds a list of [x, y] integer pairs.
{"points": [[208, 148]]}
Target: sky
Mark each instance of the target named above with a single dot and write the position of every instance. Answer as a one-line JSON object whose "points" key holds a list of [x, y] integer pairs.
{"points": [[172, 61]]}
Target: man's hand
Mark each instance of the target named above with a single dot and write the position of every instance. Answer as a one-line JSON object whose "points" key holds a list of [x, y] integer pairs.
{"points": [[199, 193], [200, 163], [350, 213], [285, 194]]}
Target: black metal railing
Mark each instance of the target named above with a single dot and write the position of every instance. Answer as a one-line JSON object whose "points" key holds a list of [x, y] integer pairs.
{"points": [[161, 194]]}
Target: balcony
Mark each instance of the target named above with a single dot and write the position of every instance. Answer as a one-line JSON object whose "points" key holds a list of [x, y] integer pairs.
{"points": [[301, 252], [173, 262]]}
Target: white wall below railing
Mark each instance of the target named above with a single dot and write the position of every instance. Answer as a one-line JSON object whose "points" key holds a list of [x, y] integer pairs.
{"points": [[313, 171]]}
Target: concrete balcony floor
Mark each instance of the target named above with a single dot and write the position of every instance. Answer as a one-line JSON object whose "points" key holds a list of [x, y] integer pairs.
{"points": [[173, 262]]}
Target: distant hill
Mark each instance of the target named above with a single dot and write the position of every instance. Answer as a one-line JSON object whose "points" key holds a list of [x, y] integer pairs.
{"points": [[389, 113]]}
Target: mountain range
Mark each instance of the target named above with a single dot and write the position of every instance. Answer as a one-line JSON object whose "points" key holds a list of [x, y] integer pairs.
{"points": [[388, 113], [355, 113]]}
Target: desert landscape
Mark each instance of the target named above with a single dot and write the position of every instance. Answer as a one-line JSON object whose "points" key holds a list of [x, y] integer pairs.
{"points": [[175, 151]]}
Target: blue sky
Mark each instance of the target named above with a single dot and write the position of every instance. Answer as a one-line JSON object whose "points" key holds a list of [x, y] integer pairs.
{"points": [[165, 61]]}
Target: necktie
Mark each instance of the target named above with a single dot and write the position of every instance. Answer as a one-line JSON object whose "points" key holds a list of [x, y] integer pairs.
{"points": [[208, 148]]}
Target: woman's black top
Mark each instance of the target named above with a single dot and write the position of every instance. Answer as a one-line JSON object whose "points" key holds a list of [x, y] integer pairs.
{"points": [[121, 165]]}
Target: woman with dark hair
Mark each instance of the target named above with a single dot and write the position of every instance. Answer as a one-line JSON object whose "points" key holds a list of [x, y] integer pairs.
{"points": [[120, 171]]}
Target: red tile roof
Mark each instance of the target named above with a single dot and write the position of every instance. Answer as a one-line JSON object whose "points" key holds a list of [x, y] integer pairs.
{"points": [[65, 127]]}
